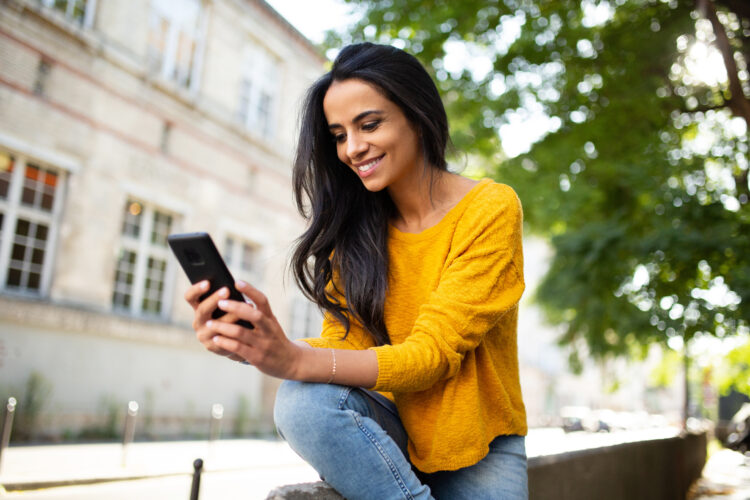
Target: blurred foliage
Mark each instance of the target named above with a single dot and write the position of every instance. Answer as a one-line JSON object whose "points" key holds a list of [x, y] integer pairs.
{"points": [[639, 173], [664, 373], [36, 393], [241, 422], [733, 370], [107, 426]]}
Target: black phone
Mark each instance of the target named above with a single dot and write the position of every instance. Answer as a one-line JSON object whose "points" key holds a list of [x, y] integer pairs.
{"points": [[201, 260]]}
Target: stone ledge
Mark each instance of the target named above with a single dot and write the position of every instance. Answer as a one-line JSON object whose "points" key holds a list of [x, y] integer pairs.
{"points": [[648, 470], [305, 491]]}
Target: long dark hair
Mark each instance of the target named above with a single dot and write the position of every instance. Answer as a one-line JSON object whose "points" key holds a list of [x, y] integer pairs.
{"points": [[345, 243]]}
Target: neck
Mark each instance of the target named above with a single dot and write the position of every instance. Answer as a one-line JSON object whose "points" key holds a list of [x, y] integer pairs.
{"points": [[420, 199]]}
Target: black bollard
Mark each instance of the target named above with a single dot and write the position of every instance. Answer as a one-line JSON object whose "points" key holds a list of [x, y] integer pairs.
{"points": [[10, 409], [195, 488]]}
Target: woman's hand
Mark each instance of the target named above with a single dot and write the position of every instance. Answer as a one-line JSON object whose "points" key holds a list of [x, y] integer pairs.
{"points": [[203, 310], [265, 346]]}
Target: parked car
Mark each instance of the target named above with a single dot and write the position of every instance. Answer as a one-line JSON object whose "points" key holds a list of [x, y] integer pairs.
{"points": [[739, 430]]}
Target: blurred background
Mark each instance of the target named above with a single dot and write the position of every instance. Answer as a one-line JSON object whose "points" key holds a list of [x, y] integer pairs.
{"points": [[622, 125]]}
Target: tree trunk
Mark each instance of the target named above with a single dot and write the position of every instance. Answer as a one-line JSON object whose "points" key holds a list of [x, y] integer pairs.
{"points": [[686, 381], [738, 102]]}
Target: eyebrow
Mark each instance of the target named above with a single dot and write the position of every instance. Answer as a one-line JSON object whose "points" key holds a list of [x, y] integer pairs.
{"points": [[359, 117]]}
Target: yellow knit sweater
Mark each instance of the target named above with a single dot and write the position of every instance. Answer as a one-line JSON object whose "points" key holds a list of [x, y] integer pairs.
{"points": [[451, 311]]}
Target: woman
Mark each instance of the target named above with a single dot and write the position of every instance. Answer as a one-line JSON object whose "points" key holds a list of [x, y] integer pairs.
{"points": [[419, 272]]}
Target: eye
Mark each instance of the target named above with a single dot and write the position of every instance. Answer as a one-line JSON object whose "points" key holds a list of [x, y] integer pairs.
{"points": [[338, 138], [370, 126]]}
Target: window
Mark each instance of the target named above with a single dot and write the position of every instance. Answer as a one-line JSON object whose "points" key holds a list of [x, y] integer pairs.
{"points": [[259, 90], [243, 260], [306, 319], [30, 201], [141, 269], [80, 11], [173, 39]]}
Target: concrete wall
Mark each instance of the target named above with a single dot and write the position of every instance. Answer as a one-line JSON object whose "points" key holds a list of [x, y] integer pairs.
{"points": [[660, 470], [89, 366]]}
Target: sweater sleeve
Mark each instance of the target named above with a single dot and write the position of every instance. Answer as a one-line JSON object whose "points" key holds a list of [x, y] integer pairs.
{"points": [[480, 282]]}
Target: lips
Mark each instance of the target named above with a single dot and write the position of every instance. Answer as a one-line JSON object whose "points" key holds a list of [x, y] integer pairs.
{"points": [[365, 168]]}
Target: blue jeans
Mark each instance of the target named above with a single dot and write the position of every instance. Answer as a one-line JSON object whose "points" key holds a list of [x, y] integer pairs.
{"points": [[355, 440]]}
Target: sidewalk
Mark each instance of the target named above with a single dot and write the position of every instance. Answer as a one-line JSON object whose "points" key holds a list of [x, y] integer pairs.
{"points": [[726, 476], [35, 467], [257, 466]]}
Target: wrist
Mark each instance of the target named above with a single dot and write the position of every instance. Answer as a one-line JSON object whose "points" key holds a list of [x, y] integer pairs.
{"points": [[299, 362], [312, 364]]}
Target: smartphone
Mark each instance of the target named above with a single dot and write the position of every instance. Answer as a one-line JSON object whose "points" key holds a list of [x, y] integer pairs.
{"points": [[201, 260]]}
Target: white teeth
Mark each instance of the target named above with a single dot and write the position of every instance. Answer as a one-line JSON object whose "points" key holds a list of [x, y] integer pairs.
{"points": [[368, 166]]}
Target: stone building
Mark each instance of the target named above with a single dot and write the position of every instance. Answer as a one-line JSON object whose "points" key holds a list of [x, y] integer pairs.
{"points": [[122, 121]]}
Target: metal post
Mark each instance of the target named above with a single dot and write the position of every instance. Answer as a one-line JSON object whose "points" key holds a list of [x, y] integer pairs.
{"points": [[217, 413], [129, 433], [195, 488], [10, 409]]}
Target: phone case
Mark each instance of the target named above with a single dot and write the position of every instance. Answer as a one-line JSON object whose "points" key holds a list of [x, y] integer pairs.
{"points": [[201, 260]]}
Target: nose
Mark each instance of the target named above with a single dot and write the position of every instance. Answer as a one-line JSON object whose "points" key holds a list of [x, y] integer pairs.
{"points": [[355, 146]]}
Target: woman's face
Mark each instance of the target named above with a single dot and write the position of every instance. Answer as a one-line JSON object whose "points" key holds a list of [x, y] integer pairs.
{"points": [[373, 136]]}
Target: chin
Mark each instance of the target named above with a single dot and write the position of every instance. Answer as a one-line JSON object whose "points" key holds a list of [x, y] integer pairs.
{"points": [[373, 186]]}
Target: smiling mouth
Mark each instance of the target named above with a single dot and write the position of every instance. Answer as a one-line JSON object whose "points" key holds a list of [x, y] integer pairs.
{"points": [[369, 165]]}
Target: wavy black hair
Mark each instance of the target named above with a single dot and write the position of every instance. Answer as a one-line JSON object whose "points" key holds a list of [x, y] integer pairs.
{"points": [[345, 243]]}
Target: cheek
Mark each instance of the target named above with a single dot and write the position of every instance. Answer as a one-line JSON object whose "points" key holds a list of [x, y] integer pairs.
{"points": [[341, 152]]}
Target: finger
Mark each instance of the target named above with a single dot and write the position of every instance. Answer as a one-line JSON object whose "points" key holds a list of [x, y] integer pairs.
{"points": [[204, 334], [192, 295], [241, 310], [232, 346], [206, 307], [230, 330], [258, 298]]}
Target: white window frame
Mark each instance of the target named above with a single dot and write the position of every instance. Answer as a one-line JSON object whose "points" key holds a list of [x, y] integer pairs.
{"points": [[234, 258], [261, 73], [88, 16], [305, 319], [143, 249], [168, 59], [13, 209]]}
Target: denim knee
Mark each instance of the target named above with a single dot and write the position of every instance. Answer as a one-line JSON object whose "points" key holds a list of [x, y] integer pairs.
{"points": [[300, 407]]}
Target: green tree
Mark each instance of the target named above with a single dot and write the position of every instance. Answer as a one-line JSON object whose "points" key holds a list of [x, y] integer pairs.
{"points": [[733, 370], [639, 174]]}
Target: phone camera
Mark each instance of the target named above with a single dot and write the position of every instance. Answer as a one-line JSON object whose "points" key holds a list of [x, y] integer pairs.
{"points": [[194, 257]]}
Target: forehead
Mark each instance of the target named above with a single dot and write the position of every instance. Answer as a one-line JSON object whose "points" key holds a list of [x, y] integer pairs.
{"points": [[348, 98]]}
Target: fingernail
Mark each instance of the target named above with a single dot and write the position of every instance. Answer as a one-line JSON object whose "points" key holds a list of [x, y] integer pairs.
{"points": [[223, 303], [204, 285], [241, 284], [209, 323], [224, 292], [215, 338]]}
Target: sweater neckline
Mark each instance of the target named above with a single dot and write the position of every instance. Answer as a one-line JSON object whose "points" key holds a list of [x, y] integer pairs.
{"points": [[448, 218]]}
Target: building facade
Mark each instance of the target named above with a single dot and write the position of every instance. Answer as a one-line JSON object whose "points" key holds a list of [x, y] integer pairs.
{"points": [[122, 121]]}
